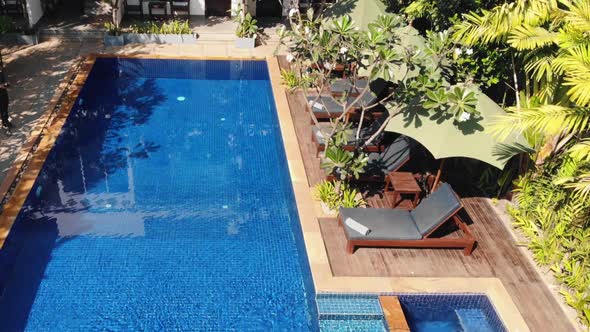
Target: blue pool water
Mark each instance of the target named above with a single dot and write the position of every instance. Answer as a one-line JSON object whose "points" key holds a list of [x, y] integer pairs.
{"points": [[165, 204], [424, 313]]}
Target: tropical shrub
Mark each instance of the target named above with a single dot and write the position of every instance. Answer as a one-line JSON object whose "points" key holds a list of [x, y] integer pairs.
{"points": [[247, 25], [7, 24], [173, 27], [552, 202], [338, 194]]}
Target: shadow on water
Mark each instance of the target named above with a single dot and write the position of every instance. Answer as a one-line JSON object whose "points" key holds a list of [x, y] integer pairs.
{"points": [[89, 149]]}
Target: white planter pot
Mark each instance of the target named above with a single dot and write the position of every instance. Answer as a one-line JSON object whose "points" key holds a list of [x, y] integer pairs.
{"points": [[114, 40], [145, 38], [327, 210], [245, 42]]}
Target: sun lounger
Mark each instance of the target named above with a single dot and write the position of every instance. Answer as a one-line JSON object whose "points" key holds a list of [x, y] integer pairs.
{"points": [[318, 134], [329, 107], [409, 229], [391, 159]]}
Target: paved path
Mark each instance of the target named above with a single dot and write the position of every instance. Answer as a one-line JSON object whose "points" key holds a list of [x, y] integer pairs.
{"points": [[33, 73]]}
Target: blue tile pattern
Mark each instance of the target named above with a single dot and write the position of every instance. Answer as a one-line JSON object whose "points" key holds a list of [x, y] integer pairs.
{"points": [[424, 312], [165, 204]]}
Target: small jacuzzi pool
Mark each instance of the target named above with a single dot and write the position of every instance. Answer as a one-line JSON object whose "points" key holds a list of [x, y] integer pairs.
{"points": [[424, 312]]}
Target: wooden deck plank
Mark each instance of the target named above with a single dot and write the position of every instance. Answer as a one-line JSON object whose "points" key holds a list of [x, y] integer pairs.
{"points": [[496, 254], [394, 314]]}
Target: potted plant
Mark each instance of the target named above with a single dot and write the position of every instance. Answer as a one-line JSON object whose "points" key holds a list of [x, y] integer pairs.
{"points": [[10, 33], [173, 32], [247, 30], [334, 195], [113, 36]]}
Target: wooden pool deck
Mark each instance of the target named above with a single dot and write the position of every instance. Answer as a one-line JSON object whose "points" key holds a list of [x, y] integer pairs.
{"points": [[496, 254]]}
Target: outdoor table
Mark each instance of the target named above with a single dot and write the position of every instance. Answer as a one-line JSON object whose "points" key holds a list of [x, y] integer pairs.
{"points": [[159, 5], [402, 183]]}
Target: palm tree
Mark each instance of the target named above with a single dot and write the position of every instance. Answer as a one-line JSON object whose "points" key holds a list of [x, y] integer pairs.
{"points": [[551, 37]]}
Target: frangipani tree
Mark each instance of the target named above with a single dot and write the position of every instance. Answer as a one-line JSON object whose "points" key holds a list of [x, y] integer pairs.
{"points": [[318, 48]]}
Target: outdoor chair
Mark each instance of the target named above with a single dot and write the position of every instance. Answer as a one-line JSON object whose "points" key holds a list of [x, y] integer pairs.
{"points": [[181, 6], [407, 229], [12, 6], [318, 139], [134, 9], [391, 159]]}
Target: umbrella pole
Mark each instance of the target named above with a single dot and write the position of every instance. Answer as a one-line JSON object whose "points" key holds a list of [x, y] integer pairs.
{"points": [[437, 179]]}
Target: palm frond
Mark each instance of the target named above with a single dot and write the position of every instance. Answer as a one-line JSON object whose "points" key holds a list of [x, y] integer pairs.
{"points": [[539, 64], [577, 14], [575, 66], [581, 150], [527, 37], [547, 119]]}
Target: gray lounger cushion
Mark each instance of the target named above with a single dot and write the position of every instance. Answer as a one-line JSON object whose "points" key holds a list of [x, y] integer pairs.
{"points": [[344, 85], [435, 209], [334, 106], [394, 155], [385, 224]]}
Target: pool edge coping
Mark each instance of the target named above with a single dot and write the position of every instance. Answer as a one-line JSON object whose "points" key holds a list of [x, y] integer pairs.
{"points": [[47, 130], [323, 279]]}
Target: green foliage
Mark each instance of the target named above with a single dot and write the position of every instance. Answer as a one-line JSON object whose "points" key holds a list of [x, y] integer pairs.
{"points": [[556, 222], [172, 27], [7, 25], [338, 194], [344, 164], [247, 25], [112, 29]]}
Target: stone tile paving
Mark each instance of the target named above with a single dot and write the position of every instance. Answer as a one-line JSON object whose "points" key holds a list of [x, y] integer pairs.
{"points": [[34, 73]]}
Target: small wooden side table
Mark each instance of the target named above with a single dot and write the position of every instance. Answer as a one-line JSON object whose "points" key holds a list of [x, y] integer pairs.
{"points": [[402, 183]]}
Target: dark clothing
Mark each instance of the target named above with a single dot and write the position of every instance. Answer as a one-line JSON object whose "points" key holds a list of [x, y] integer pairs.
{"points": [[4, 106]]}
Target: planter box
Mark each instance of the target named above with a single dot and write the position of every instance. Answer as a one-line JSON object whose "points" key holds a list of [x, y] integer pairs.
{"points": [[245, 42], [19, 39], [144, 38], [114, 40], [327, 210]]}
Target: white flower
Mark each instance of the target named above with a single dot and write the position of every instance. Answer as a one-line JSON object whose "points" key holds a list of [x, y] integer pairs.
{"points": [[306, 30], [290, 57], [292, 12], [458, 51], [464, 117], [469, 51], [343, 50], [328, 66]]}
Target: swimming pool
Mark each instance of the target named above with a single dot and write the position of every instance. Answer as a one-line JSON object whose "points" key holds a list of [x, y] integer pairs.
{"points": [[165, 203]]}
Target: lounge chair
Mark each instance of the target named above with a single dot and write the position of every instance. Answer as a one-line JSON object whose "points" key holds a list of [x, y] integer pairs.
{"points": [[391, 159], [409, 229], [318, 137], [329, 107]]}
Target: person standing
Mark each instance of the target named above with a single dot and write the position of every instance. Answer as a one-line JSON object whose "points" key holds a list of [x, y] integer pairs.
{"points": [[4, 100]]}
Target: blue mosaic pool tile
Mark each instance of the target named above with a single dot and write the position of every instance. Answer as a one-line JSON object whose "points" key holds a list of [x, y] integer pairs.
{"points": [[473, 320], [352, 305], [352, 324]]}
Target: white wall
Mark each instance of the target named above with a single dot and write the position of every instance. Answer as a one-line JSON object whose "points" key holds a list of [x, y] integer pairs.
{"points": [[34, 11]]}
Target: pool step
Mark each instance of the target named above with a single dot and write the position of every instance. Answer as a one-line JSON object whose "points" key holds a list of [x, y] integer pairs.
{"points": [[352, 324], [394, 315], [350, 313], [473, 320]]}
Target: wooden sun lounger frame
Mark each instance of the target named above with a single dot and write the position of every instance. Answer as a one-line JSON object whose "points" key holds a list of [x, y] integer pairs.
{"points": [[321, 147], [466, 243]]}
